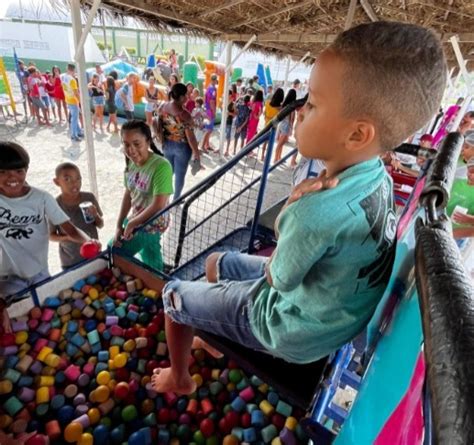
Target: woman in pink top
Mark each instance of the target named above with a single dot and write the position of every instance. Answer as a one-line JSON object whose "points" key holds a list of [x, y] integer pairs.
{"points": [[449, 117], [58, 93], [256, 108]]}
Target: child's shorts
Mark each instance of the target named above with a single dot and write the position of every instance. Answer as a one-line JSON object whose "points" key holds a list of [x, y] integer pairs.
{"points": [[221, 308], [210, 125], [150, 107], [228, 132], [38, 103], [242, 134], [12, 284], [46, 100], [98, 101]]}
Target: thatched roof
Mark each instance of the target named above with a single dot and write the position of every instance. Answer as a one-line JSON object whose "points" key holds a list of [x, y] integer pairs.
{"points": [[295, 27]]}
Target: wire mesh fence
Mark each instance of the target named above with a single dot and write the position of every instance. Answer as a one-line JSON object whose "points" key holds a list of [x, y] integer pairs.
{"points": [[217, 216]]}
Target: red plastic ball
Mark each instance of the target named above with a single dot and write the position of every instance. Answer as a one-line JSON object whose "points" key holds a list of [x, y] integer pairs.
{"points": [[89, 249], [278, 420], [151, 365], [207, 428], [164, 415], [224, 427], [232, 419], [121, 390], [245, 420]]}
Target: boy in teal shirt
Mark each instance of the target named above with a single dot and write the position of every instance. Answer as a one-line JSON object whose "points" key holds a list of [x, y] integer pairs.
{"points": [[372, 88]]}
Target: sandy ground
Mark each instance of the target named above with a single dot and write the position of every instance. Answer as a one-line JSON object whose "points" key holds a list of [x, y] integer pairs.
{"points": [[50, 146]]}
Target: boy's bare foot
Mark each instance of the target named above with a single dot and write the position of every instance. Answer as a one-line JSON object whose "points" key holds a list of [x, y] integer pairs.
{"points": [[199, 343], [163, 380]]}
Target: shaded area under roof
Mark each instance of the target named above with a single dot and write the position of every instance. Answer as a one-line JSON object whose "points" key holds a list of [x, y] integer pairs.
{"points": [[295, 27]]}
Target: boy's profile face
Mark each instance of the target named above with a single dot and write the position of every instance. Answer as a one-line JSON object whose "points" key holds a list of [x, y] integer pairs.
{"points": [[12, 182], [470, 175], [467, 151], [321, 128], [69, 181]]}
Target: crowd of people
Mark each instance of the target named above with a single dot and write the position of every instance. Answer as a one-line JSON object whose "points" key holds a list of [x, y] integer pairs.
{"points": [[314, 272]]}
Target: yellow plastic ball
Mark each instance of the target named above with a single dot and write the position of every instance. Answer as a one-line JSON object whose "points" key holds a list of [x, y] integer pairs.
{"points": [[198, 379], [101, 393], [21, 337], [103, 378], [86, 439], [129, 345], [120, 360], [93, 293], [94, 415], [73, 432]]}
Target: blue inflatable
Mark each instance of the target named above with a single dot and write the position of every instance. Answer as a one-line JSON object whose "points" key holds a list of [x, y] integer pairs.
{"points": [[261, 76], [122, 68]]}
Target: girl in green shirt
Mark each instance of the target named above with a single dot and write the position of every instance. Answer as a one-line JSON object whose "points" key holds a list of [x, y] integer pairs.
{"points": [[148, 185]]}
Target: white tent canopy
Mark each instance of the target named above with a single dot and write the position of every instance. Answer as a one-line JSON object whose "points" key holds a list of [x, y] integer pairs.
{"points": [[44, 42]]}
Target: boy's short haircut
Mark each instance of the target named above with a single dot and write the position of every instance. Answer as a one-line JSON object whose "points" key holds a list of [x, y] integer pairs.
{"points": [[65, 166], [199, 101], [395, 75], [71, 66], [13, 156]]}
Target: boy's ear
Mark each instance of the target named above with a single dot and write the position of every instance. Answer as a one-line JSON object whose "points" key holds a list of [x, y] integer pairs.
{"points": [[55, 180], [361, 135]]}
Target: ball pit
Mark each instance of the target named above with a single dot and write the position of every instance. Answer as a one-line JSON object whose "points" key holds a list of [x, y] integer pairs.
{"points": [[77, 370]]}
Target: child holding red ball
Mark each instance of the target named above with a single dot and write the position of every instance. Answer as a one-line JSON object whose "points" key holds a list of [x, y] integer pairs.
{"points": [[25, 215], [68, 179]]}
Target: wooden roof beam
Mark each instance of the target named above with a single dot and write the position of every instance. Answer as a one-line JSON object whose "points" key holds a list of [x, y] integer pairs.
{"points": [[369, 10], [147, 8], [289, 51], [273, 14], [321, 38], [350, 14], [283, 38], [442, 8], [225, 5]]}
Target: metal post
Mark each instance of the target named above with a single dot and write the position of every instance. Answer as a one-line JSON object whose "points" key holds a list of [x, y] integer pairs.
{"points": [[261, 191], [186, 47], [86, 112], [467, 80], [114, 42], [211, 50], [287, 73], [299, 61], [104, 31], [87, 28], [139, 45], [225, 102]]}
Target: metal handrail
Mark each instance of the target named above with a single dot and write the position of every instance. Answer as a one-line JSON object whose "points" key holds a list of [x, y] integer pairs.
{"points": [[446, 298]]}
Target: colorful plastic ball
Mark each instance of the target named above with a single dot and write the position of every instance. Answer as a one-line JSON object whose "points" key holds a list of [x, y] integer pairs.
{"points": [[101, 434], [101, 394], [103, 378], [94, 415], [207, 427], [129, 413], [89, 249], [120, 360], [86, 439], [230, 440], [73, 432], [199, 438]]}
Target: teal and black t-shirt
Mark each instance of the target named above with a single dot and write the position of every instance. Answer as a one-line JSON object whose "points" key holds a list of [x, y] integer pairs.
{"points": [[330, 268]]}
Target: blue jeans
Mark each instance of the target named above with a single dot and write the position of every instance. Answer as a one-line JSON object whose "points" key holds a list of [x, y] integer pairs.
{"points": [[178, 155], [74, 129], [223, 308]]}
